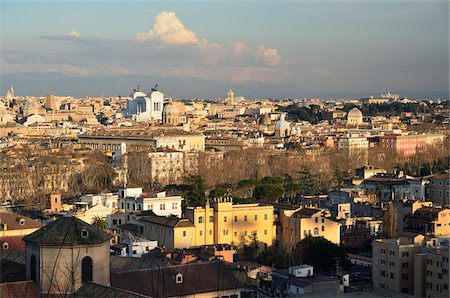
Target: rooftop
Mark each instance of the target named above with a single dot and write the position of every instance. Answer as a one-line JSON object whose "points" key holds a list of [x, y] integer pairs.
{"points": [[67, 231]]}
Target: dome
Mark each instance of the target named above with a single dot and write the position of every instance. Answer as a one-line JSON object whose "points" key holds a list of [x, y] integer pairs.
{"points": [[265, 120], [355, 112], [282, 123], [170, 108]]}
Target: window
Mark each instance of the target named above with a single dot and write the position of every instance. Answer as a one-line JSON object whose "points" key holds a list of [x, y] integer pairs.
{"points": [[114, 222], [162, 207], [210, 232], [382, 273], [265, 216], [392, 275], [174, 205], [184, 233], [245, 217], [235, 218], [211, 218], [86, 269], [405, 290], [323, 228], [5, 245], [383, 251], [405, 276], [382, 261], [201, 233], [316, 219], [392, 253], [382, 285], [200, 219], [235, 234], [120, 221], [323, 220], [224, 219], [84, 233], [265, 232], [150, 207], [245, 233], [256, 217], [405, 254], [392, 263], [405, 265], [316, 231], [33, 268], [225, 232]]}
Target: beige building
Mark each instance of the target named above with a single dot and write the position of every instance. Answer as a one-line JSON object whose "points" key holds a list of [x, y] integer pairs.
{"points": [[393, 263], [143, 139], [300, 223], [66, 254], [431, 278], [439, 189]]}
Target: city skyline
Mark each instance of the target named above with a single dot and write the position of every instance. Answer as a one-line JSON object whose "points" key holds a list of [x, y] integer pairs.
{"points": [[198, 49]]}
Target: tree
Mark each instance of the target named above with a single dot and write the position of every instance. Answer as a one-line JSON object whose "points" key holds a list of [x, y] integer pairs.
{"points": [[99, 222], [268, 192], [320, 253], [195, 194]]}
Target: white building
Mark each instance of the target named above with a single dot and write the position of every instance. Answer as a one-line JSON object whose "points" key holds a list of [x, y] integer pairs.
{"points": [[158, 202], [136, 247], [105, 199], [143, 107]]}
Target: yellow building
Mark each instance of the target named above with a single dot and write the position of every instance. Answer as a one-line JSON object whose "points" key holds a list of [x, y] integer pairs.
{"points": [[170, 232], [298, 224], [225, 222], [220, 222]]}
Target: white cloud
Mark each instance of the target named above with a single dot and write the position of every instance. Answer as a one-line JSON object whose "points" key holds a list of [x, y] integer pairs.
{"points": [[74, 33], [170, 30], [322, 73], [268, 56]]}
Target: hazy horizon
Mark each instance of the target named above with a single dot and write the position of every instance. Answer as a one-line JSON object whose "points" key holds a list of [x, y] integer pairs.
{"points": [[201, 49]]}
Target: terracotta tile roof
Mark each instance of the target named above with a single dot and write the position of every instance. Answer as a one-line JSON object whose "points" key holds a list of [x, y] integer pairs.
{"points": [[12, 220], [14, 243], [197, 278]]}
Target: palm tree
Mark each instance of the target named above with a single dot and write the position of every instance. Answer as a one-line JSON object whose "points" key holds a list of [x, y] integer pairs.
{"points": [[99, 222]]}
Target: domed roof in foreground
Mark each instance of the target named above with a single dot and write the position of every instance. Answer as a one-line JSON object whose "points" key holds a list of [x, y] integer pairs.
{"points": [[67, 231], [282, 123], [355, 112]]}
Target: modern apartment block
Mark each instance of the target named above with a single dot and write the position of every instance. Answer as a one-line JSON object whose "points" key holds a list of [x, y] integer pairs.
{"points": [[412, 264], [431, 278], [393, 263]]}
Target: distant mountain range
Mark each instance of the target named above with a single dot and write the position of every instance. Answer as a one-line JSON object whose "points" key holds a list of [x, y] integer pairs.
{"points": [[40, 84]]}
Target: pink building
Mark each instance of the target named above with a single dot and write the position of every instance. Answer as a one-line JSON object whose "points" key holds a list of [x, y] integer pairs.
{"points": [[408, 145]]}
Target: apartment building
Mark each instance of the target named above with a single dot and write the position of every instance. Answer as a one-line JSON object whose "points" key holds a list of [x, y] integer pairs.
{"points": [[432, 220], [408, 145], [159, 202], [299, 223], [431, 278], [439, 189], [393, 263]]}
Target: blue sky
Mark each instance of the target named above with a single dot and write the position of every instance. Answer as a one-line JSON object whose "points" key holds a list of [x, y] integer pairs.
{"points": [[318, 46]]}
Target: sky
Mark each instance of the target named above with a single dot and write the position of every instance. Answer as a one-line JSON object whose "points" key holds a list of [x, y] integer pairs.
{"points": [[201, 49]]}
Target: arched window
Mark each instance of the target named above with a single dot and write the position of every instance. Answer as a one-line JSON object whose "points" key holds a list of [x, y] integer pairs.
{"points": [[33, 268], [316, 231], [211, 218], [200, 219], [86, 269]]}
